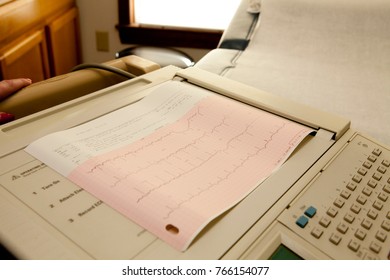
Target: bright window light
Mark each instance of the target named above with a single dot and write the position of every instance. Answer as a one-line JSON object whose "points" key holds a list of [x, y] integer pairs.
{"points": [[204, 14]]}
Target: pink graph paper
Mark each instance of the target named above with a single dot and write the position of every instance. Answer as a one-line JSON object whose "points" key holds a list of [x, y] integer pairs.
{"points": [[175, 180]]}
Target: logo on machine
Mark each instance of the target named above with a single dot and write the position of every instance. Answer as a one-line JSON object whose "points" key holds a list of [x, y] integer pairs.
{"points": [[28, 172]]}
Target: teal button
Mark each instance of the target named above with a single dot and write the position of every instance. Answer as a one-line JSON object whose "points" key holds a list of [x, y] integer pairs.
{"points": [[310, 212], [302, 221]]}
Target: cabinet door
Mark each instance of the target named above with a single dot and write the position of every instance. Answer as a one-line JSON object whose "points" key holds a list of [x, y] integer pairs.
{"points": [[63, 41], [26, 59]]}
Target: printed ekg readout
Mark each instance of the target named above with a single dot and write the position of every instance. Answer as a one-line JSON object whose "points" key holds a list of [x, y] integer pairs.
{"points": [[186, 173]]}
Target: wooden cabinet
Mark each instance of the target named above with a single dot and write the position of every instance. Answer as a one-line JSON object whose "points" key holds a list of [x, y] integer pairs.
{"points": [[43, 44], [63, 41], [26, 59]]}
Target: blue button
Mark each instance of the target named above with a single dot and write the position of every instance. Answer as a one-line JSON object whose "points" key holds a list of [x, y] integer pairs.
{"points": [[302, 221], [310, 212]]}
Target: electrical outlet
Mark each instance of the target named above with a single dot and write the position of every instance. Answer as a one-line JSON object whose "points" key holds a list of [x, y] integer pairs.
{"points": [[102, 42]]}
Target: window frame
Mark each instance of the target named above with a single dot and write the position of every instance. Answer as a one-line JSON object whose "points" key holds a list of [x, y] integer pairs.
{"points": [[131, 33]]}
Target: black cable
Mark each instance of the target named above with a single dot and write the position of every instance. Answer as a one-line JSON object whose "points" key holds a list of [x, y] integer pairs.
{"points": [[104, 67]]}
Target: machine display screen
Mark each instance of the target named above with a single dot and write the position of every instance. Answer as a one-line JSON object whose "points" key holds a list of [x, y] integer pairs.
{"points": [[284, 253]]}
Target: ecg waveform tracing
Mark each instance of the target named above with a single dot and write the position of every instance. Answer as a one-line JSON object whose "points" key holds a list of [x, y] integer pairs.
{"points": [[184, 153], [175, 160], [185, 174]]}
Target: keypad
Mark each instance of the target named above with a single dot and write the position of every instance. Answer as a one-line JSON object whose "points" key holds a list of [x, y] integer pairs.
{"points": [[350, 213], [377, 188]]}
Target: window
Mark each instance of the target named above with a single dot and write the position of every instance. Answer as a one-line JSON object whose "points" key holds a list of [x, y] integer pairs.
{"points": [[201, 14], [176, 23]]}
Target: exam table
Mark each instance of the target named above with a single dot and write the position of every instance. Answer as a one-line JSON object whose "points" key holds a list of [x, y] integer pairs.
{"points": [[329, 54]]}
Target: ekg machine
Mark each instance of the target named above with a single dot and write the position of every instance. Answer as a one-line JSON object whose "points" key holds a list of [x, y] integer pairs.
{"points": [[329, 200]]}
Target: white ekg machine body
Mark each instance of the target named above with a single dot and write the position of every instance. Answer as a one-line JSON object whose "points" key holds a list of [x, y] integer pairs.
{"points": [[329, 200]]}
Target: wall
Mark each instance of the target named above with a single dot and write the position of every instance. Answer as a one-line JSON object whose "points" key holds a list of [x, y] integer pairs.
{"points": [[102, 15]]}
